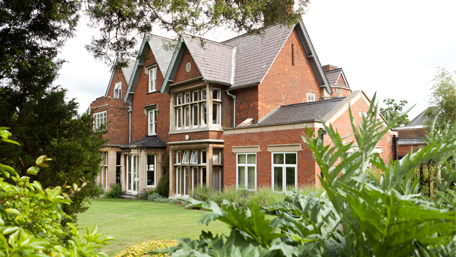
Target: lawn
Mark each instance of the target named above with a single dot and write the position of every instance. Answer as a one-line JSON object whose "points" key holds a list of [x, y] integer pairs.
{"points": [[132, 221]]}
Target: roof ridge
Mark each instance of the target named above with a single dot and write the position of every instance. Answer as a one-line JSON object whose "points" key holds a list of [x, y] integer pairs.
{"points": [[209, 41], [250, 34], [154, 35]]}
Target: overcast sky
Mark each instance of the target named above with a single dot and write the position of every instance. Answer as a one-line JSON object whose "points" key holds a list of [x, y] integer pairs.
{"points": [[392, 47]]}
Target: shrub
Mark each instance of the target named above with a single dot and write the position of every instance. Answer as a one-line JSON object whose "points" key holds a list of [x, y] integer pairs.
{"points": [[153, 196], [31, 216], [115, 191], [98, 190], [163, 185], [143, 248]]}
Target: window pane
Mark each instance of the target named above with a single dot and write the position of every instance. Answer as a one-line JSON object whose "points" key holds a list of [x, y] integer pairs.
{"points": [[251, 178], [241, 158], [216, 157], [290, 158], [178, 117], [215, 94], [195, 177], [251, 159], [195, 115], [214, 113], [290, 173], [278, 179], [151, 162], [188, 187], [203, 156], [278, 158], [203, 176], [187, 98], [195, 96], [150, 177], [194, 158], [203, 114], [203, 94], [241, 177], [186, 116], [185, 157]]}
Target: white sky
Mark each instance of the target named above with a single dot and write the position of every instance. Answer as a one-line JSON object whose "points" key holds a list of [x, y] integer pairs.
{"points": [[392, 47]]}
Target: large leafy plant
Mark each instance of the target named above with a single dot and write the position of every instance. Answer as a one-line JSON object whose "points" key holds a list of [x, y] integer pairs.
{"points": [[357, 215], [30, 216]]}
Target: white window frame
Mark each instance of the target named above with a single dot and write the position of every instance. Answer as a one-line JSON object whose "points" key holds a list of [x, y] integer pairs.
{"points": [[218, 94], [217, 153], [246, 165], [186, 157], [179, 99], [186, 115], [152, 125], [186, 98], [217, 111], [99, 119], [178, 173], [310, 97], [194, 156], [118, 90], [284, 167], [178, 118], [194, 116], [203, 95], [203, 123], [153, 79], [201, 160], [178, 157], [193, 96], [154, 169]]}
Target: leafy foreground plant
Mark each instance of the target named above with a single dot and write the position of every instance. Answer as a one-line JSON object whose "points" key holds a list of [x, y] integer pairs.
{"points": [[143, 248], [357, 215], [30, 217]]}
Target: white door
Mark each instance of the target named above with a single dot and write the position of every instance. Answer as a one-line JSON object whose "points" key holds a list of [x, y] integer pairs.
{"points": [[132, 174]]}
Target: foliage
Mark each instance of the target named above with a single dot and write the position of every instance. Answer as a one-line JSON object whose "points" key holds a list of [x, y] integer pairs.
{"points": [[144, 195], [31, 216], [120, 21], [115, 191], [442, 98], [357, 215], [264, 196], [163, 183], [143, 248], [153, 196], [393, 110], [98, 190]]}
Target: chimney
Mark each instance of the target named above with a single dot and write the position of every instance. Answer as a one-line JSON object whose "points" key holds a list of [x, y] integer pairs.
{"points": [[329, 67], [276, 10]]}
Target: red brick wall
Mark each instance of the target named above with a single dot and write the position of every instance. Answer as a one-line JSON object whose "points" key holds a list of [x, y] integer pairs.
{"points": [[277, 87], [341, 81], [196, 136], [118, 77], [343, 126], [307, 168], [246, 104], [181, 73], [404, 149], [142, 98], [117, 118]]}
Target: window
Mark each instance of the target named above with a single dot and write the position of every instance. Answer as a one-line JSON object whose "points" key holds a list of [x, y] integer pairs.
{"points": [[246, 171], [194, 159], [186, 116], [203, 115], [195, 115], [217, 157], [187, 98], [99, 120], [118, 90], [153, 79], [178, 99], [203, 177], [195, 96], [194, 177], [152, 120], [178, 157], [151, 160], [216, 94], [310, 97], [216, 114], [203, 94], [118, 167], [103, 177], [284, 167], [185, 157], [178, 118], [203, 157]]}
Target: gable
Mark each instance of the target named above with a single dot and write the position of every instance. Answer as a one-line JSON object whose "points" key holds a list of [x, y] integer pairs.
{"points": [[186, 61]]}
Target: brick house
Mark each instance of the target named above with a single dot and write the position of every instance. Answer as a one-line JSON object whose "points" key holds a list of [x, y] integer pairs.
{"points": [[413, 135], [223, 114]]}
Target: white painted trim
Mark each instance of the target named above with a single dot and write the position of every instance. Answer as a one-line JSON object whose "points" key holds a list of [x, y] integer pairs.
{"points": [[241, 130], [246, 171], [197, 141], [284, 166]]}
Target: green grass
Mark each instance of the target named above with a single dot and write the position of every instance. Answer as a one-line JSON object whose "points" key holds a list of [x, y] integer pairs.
{"points": [[132, 222]]}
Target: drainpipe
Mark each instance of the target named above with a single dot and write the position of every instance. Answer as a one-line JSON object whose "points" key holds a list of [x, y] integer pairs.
{"points": [[234, 115], [395, 139], [130, 109], [322, 133]]}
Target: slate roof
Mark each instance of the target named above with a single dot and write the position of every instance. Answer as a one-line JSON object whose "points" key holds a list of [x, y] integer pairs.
{"points": [[303, 112], [419, 120], [128, 71], [255, 53], [147, 142], [214, 60], [163, 49], [333, 75]]}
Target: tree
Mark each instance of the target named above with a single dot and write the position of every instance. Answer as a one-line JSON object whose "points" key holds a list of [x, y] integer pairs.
{"points": [[443, 98], [31, 216], [394, 109], [121, 21]]}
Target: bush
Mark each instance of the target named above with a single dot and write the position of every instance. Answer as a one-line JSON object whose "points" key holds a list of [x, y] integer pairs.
{"points": [[153, 196], [98, 190], [143, 248], [114, 192], [163, 185], [31, 216]]}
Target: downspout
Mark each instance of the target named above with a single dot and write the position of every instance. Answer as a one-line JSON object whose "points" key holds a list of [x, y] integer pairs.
{"points": [[234, 107], [395, 140], [130, 109], [322, 133]]}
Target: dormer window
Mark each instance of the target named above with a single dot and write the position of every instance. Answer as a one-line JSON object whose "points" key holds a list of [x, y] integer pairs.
{"points": [[310, 97], [153, 79], [118, 90]]}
